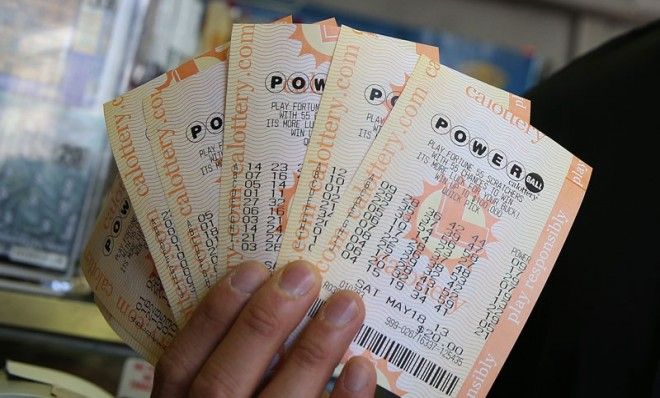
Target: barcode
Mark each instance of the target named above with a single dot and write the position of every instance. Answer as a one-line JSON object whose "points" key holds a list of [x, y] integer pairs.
{"points": [[406, 359], [314, 309]]}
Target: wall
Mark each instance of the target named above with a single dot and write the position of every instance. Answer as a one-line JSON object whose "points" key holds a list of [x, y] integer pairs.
{"points": [[556, 31]]}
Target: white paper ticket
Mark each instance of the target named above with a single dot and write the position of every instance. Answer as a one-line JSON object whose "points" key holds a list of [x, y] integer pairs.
{"points": [[358, 96], [185, 124], [126, 126], [119, 268], [276, 76], [449, 230], [127, 135], [151, 357]]}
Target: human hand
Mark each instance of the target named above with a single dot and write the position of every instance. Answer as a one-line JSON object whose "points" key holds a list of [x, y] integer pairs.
{"points": [[231, 338]]}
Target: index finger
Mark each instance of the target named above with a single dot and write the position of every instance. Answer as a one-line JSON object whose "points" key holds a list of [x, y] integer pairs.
{"points": [[210, 322], [239, 362]]}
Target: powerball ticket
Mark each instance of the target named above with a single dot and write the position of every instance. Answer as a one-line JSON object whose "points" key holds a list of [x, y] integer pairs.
{"points": [[126, 336], [126, 126], [277, 74], [119, 268], [358, 95], [448, 231], [130, 146], [185, 124]]}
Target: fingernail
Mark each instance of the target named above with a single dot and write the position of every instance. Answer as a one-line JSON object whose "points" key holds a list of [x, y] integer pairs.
{"points": [[340, 310], [247, 279], [356, 376], [297, 279]]}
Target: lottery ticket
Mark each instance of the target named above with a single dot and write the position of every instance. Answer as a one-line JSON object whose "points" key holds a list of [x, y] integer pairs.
{"points": [[448, 231], [150, 356], [277, 74], [185, 123], [123, 277], [126, 126], [127, 135], [358, 95]]}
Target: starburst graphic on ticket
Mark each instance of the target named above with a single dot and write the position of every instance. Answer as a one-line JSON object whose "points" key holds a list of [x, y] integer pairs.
{"points": [[211, 57], [193, 66], [465, 226], [392, 375], [317, 40]]}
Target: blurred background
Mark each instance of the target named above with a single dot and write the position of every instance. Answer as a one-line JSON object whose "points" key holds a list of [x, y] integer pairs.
{"points": [[60, 60]]}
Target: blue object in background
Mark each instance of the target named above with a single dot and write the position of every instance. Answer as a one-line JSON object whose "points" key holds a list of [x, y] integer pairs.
{"points": [[511, 69], [503, 67]]}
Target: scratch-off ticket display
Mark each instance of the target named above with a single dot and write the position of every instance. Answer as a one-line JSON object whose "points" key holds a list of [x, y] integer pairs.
{"points": [[449, 231]]}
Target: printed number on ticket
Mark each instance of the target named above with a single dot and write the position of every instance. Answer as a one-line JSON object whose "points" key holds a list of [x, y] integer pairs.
{"points": [[123, 277], [185, 125], [358, 95], [126, 126], [276, 76]]}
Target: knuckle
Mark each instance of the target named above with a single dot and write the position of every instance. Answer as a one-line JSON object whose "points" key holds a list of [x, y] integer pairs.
{"points": [[216, 384], [261, 321], [169, 370], [309, 353], [211, 311]]}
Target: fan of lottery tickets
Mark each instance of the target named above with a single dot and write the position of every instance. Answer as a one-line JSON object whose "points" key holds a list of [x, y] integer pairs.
{"points": [[424, 190]]}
